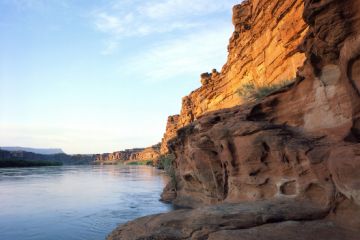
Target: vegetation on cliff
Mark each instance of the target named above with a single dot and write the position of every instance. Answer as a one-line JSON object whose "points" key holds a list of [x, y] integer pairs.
{"points": [[250, 91], [166, 162], [142, 162]]}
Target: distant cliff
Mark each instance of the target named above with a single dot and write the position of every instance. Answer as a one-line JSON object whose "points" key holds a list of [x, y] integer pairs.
{"points": [[34, 150], [136, 154], [54, 158]]}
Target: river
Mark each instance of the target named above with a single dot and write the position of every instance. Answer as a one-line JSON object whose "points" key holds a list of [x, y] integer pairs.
{"points": [[76, 202]]}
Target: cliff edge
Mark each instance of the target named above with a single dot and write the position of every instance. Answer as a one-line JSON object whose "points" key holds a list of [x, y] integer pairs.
{"points": [[262, 50]]}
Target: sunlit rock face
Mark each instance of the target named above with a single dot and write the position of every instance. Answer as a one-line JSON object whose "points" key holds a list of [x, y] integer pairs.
{"points": [[263, 49], [149, 153], [301, 142], [291, 143], [171, 128], [136, 154]]}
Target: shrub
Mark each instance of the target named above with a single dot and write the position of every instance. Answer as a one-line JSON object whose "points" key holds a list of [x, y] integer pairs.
{"points": [[145, 162], [247, 91], [166, 162], [250, 91]]}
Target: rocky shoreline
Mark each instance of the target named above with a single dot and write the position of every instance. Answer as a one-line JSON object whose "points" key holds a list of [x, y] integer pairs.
{"points": [[286, 166]]}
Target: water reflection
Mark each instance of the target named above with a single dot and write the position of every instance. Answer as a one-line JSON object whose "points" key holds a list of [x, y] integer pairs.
{"points": [[84, 202]]}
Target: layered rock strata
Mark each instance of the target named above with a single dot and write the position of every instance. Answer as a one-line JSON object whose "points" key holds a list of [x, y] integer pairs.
{"points": [[263, 49], [284, 165], [170, 132], [136, 154]]}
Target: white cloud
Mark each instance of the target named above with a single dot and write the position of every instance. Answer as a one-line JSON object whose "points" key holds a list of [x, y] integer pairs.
{"points": [[107, 23], [183, 8], [127, 26], [190, 54], [123, 18]]}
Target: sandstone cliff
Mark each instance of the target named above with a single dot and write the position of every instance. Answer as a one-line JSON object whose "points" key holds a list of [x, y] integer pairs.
{"points": [[170, 132], [263, 49], [284, 167], [135, 154]]}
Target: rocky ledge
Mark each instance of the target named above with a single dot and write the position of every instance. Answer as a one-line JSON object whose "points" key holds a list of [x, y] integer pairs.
{"points": [[278, 219]]}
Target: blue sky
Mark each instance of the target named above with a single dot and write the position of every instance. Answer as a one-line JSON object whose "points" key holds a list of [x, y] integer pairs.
{"points": [[100, 76]]}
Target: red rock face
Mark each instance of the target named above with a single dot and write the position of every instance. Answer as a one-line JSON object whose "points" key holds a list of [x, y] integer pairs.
{"points": [[171, 128], [136, 154], [287, 144], [149, 153], [301, 142], [263, 49]]}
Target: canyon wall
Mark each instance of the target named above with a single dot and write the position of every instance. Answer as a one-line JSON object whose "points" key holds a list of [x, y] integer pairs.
{"points": [[136, 154], [291, 142], [263, 49], [170, 132], [149, 153], [286, 166]]}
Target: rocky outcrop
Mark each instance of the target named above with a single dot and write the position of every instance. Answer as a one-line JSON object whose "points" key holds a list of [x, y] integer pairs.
{"points": [[298, 147], [263, 49], [115, 157], [289, 143], [300, 124], [170, 132], [149, 153], [249, 221], [135, 154]]}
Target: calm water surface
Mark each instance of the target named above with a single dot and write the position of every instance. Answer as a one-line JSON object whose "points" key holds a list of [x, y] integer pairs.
{"points": [[75, 202]]}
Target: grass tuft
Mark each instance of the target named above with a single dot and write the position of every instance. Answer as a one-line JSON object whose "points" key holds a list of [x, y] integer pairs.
{"points": [[166, 162], [249, 91]]}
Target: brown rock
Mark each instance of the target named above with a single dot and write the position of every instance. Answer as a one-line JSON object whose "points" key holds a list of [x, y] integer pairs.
{"points": [[171, 128], [136, 154], [293, 230], [344, 166], [264, 220]]}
